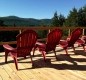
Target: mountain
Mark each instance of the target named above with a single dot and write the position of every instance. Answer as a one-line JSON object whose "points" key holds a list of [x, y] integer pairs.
{"points": [[18, 21]]}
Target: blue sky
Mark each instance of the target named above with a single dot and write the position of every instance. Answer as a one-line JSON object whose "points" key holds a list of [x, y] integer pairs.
{"points": [[38, 9]]}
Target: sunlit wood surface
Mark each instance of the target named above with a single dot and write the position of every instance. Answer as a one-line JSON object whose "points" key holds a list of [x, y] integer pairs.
{"points": [[65, 67]]}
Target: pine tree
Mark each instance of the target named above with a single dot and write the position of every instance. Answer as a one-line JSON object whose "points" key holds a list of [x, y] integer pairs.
{"points": [[61, 20], [55, 21], [1, 23], [72, 19], [84, 15], [80, 17]]}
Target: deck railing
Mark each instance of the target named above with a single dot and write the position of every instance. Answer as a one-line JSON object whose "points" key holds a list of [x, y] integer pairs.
{"points": [[20, 29]]}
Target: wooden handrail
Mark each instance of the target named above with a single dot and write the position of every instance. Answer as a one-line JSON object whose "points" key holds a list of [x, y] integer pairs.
{"points": [[34, 28], [20, 29]]}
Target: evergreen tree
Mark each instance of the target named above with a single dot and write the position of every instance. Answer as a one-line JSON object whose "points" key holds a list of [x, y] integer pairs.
{"points": [[72, 19], [82, 16], [55, 21], [61, 20], [1, 23]]}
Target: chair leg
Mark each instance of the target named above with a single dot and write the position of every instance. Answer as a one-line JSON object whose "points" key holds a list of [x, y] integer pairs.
{"points": [[84, 48], [6, 55], [55, 53], [73, 48], [16, 62], [66, 51], [34, 49], [15, 59], [31, 59], [43, 53]]}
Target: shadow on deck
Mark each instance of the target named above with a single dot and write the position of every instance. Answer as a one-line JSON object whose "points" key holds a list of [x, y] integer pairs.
{"points": [[75, 61]]}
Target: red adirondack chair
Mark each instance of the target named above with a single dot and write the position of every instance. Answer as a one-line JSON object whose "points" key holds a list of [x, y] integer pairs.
{"points": [[53, 39], [70, 41], [25, 42]]}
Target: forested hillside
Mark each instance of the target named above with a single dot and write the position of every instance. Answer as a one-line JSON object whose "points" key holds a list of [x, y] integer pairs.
{"points": [[17, 21]]}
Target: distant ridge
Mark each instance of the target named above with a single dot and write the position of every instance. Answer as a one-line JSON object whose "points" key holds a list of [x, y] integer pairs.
{"points": [[18, 21]]}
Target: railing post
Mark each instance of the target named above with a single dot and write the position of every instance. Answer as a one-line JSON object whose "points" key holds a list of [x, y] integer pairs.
{"points": [[69, 32], [83, 32], [20, 31], [49, 31]]}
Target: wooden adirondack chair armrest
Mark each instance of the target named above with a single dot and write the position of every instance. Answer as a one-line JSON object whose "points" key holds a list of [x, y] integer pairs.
{"points": [[39, 43], [40, 46], [83, 37], [9, 48], [63, 43], [80, 41]]}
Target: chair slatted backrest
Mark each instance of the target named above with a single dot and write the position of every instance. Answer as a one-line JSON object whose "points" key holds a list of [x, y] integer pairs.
{"points": [[75, 36], [53, 39], [25, 42]]}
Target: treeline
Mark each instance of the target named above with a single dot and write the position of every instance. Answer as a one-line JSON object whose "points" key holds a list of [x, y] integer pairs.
{"points": [[75, 18]]}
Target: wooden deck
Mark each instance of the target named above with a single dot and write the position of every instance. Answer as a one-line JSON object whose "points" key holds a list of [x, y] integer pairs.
{"points": [[71, 67]]}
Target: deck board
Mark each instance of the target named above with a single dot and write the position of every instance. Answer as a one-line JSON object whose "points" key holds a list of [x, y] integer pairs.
{"points": [[71, 67]]}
